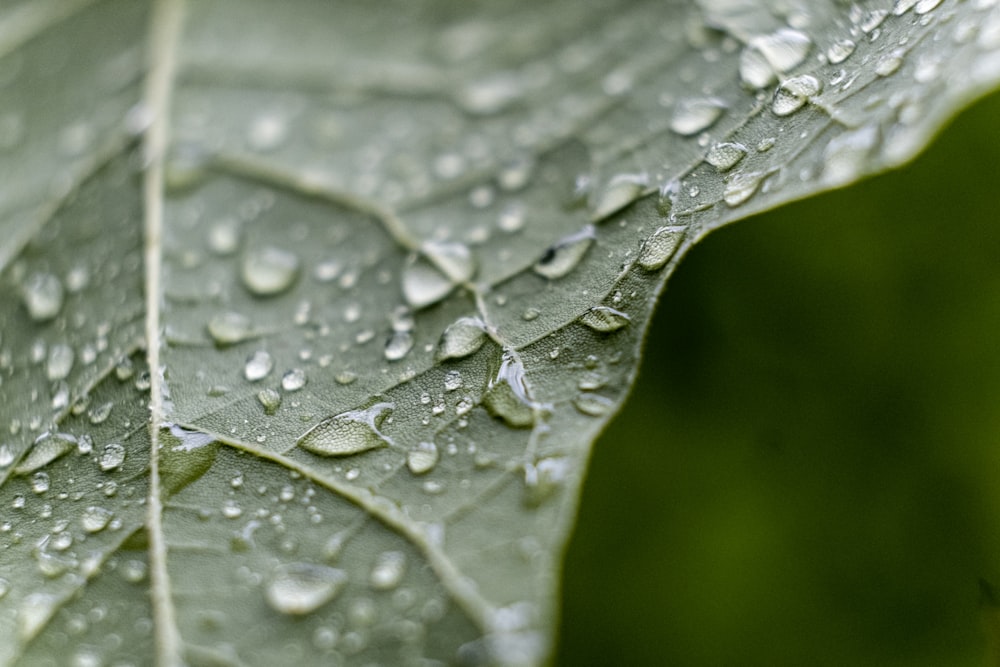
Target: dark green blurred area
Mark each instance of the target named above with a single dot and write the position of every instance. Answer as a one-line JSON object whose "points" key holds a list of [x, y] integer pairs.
{"points": [[808, 470]]}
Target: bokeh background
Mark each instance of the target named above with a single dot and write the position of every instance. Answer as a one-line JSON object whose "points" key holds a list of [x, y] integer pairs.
{"points": [[808, 470]]}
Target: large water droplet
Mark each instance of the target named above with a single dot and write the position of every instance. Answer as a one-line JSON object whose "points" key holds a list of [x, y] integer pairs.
{"points": [[112, 457], [388, 571], [506, 395], [620, 191], [766, 56], [95, 518], [47, 448], [605, 319], [840, 50], [301, 588], [695, 115], [348, 433], [228, 328], [422, 458], [593, 404], [431, 275], [258, 366], [793, 93], [565, 254], [463, 337], [399, 345], [740, 187], [43, 296], [724, 156], [268, 270]]}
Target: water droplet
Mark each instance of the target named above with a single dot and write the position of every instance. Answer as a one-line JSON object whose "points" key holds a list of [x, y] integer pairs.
{"points": [[592, 404], [43, 295], [506, 395], [422, 458], [741, 186], [40, 482], [60, 362], [95, 518], [511, 218], [390, 566], [900, 7], [258, 366], [924, 6], [543, 479], [47, 448], [872, 20], [133, 571], [267, 132], [301, 588], [692, 116], [605, 319], [888, 64], [515, 174], [432, 275], [726, 155], [270, 399], [620, 191], [840, 50], [6, 455], [399, 345], [268, 270], [112, 457], [229, 328], [766, 56], [793, 93], [224, 237], [99, 414], [463, 337], [124, 369], [452, 380], [327, 270], [293, 380], [349, 432], [565, 254], [34, 613]]}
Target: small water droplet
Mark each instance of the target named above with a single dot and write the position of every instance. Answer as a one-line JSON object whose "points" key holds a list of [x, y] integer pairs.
{"points": [[112, 457], [258, 366], [301, 588], [565, 254], [726, 155], [270, 399], [605, 319], [40, 482], [399, 345], [224, 237], [267, 132], [422, 458], [42, 294], [124, 369], [95, 518], [293, 380], [840, 50], [620, 191], [592, 404], [511, 218], [793, 94], [888, 64], [741, 186], [268, 270], [695, 115], [349, 432], [47, 448], [452, 380], [515, 174], [543, 479], [99, 414], [229, 328], [506, 395], [462, 338], [388, 571], [60, 362], [133, 571]]}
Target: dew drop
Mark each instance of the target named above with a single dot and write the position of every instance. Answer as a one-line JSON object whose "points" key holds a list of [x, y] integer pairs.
{"points": [[506, 395], [924, 6], [268, 270], [565, 254], [40, 482], [34, 613], [620, 191], [60, 362], [390, 566], [511, 218], [847, 154], [592, 404], [258, 366], [399, 345], [543, 479], [888, 64], [452, 380], [301, 588], [692, 116], [840, 50], [741, 186], [431, 275], [229, 328], [43, 296], [270, 399], [900, 7], [462, 338], [293, 380], [726, 155], [112, 457], [793, 93], [605, 319], [422, 458], [95, 518], [47, 448], [99, 414], [224, 237], [766, 56], [348, 433]]}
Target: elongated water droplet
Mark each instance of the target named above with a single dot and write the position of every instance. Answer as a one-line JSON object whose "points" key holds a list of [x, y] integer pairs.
{"points": [[888, 64], [258, 366], [390, 566], [766, 56], [348, 433], [726, 155], [43, 296], [565, 254], [47, 448], [605, 319], [840, 50], [900, 7], [399, 345], [270, 399], [463, 337], [268, 270], [96, 518], [924, 6], [506, 394], [740, 187], [454, 259], [422, 458], [593, 404], [620, 191], [692, 116], [228, 328], [301, 588], [112, 457], [99, 414], [793, 93]]}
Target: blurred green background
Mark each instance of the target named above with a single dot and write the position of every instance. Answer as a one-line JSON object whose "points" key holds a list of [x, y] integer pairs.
{"points": [[806, 472]]}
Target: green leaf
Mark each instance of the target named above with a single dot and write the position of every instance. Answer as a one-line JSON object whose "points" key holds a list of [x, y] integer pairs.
{"points": [[390, 267]]}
